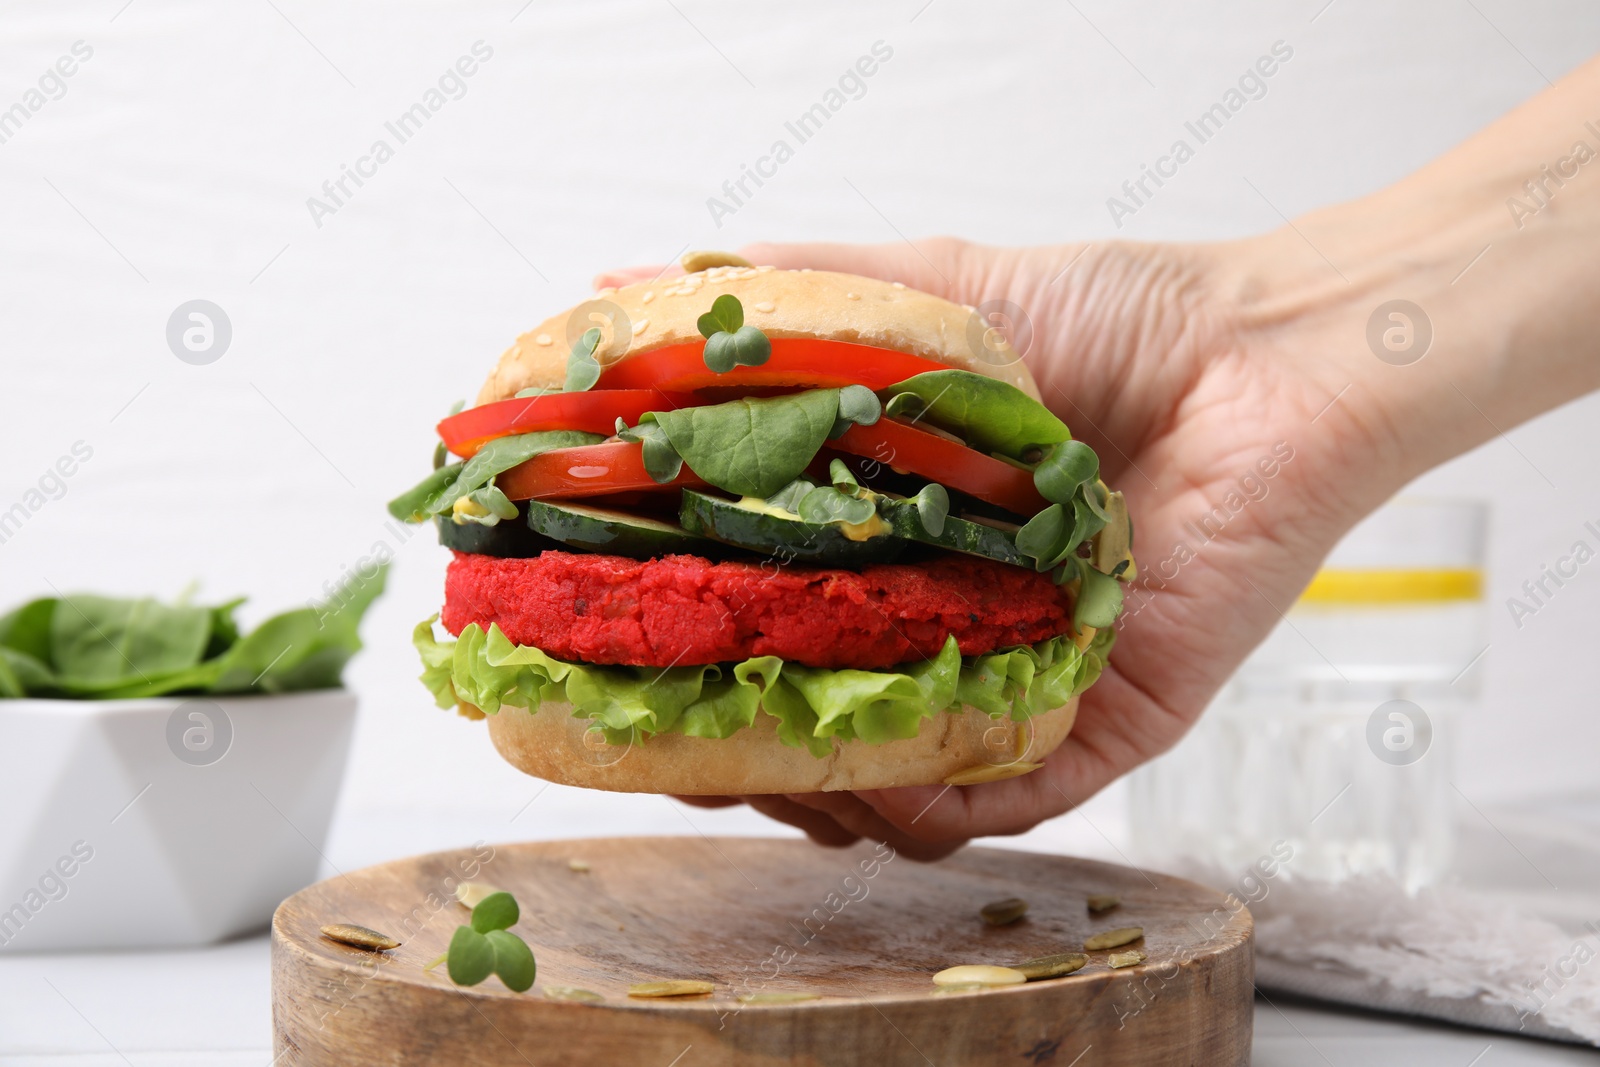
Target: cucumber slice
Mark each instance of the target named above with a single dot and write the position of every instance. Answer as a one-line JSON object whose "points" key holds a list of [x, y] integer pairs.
{"points": [[784, 538], [958, 535], [509, 539], [615, 532]]}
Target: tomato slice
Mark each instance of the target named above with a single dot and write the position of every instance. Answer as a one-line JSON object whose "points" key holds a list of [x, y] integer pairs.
{"points": [[588, 470], [953, 465], [795, 361], [595, 411]]}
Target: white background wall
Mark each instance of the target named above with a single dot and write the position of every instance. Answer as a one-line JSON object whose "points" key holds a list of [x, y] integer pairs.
{"points": [[179, 161]]}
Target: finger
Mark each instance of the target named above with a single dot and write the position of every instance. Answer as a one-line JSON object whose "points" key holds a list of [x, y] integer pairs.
{"points": [[620, 276], [708, 802], [941, 266], [816, 825], [848, 811], [1012, 806]]}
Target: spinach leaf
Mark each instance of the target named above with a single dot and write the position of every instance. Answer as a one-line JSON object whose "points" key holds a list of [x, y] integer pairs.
{"points": [[100, 648], [306, 648], [414, 504], [23, 675], [11, 687], [27, 629], [97, 641], [990, 415], [499, 456], [224, 628], [752, 446]]}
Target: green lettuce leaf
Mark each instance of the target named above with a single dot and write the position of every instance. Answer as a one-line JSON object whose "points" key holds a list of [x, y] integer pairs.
{"points": [[813, 705]]}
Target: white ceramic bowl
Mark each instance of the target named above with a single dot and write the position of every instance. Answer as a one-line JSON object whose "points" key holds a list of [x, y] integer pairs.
{"points": [[163, 822]]}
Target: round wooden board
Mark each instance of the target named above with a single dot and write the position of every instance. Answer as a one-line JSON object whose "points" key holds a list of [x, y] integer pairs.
{"points": [[862, 927]]}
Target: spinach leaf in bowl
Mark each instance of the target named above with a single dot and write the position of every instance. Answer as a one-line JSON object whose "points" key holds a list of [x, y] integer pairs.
{"points": [[87, 647]]}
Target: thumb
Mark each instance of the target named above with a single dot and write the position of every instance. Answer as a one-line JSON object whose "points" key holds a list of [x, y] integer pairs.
{"points": [[942, 266]]}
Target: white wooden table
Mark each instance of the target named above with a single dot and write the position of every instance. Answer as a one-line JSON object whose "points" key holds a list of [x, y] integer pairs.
{"points": [[209, 1007]]}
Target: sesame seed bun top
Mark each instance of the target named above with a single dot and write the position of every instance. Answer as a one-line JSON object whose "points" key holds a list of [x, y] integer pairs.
{"points": [[641, 318]]}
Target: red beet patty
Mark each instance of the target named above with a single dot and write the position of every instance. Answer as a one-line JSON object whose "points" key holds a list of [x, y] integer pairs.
{"points": [[687, 610]]}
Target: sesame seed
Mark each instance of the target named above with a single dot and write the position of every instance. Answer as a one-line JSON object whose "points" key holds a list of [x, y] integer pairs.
{"points": [[640, 326], [607, 291], [898, 285], [805, 270], [767, 306], [763, 270], [543, 339], [851, 296], [649, 295]]}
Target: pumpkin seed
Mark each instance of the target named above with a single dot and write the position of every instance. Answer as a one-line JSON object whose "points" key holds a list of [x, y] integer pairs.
{"points": [[1051, 966], [1126, 959], [1102, 902], [961, 987], [472, 893], [694, 262], [1004, 912], [678, 988], [991, 772], [778, 997], [980, 975], [571, 992], [1113, 938], [359, 937]]}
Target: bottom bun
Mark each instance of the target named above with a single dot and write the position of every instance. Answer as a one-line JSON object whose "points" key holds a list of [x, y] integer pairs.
{"points": [[968, 746]]}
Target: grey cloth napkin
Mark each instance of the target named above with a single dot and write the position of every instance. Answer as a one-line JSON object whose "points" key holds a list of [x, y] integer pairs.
{"points": [[1511, 942]]}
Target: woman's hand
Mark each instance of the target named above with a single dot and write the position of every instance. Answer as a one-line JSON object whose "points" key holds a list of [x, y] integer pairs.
{"points": [[1233, 395], [1210, 434]]}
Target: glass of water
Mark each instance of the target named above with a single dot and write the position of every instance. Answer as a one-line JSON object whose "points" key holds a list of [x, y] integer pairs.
{"points": [[1336, 736]]}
